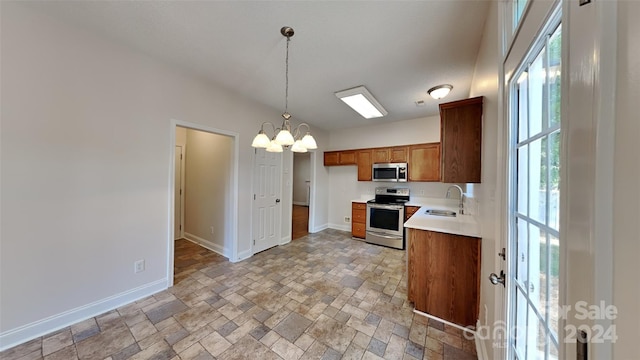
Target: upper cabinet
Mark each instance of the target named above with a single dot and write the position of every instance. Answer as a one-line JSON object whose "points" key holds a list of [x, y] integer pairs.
{"points": [[364, 164], [347, 157], [461, 141], [424, 162], [396, 154]]}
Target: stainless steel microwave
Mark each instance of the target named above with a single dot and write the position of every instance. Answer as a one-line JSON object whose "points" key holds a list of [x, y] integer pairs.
{"points": [[394, 172]]}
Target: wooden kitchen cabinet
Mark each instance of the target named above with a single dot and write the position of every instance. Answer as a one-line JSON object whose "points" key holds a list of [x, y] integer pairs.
{"points": [[444, 275], [395, 154], [363, 158], [409, 211], [424, 162], [345, 157], [398, 154], [358, 219], [461, 141], [380, 155]]}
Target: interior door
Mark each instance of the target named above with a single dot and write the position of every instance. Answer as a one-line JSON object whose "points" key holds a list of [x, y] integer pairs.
{"points": [[267, 207], [533, 287]]}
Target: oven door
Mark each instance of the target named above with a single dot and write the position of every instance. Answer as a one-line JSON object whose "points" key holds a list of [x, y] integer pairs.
{"points": [[385, 219]]}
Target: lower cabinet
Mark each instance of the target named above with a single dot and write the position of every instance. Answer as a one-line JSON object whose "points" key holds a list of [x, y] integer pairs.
{"points": [[444, 275], [409, 211], [358, 220]]}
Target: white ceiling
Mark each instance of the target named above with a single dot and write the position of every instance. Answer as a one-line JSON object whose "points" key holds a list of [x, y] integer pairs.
{"points": [[397, 49]]}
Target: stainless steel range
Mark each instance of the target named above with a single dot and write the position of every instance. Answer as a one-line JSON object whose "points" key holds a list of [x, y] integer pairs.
{"points": [[385, 217]]}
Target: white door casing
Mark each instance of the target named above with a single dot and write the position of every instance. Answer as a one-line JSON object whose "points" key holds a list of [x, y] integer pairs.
{"points": [[267, 205], [178, 193]]}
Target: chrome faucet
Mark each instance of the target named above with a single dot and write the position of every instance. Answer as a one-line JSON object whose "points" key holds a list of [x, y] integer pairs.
{"points": [[461, 206]]}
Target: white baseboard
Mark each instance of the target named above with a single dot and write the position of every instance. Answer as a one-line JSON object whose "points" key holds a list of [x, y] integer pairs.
{"points": [[319, 228], [285, 240], [301, 203], [207, 244], [481, 348], [343, 227], [243, 255], [56, 322]]}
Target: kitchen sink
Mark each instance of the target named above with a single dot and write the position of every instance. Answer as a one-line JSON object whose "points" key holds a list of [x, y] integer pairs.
{"points": [[438, 212]]}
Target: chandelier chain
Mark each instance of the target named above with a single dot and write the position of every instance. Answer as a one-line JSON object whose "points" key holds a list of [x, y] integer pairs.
{"points": [[286, 89]]}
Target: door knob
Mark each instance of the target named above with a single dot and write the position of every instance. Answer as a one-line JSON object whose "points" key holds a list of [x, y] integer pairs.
{"points": [[495, 279], [277, 201]]}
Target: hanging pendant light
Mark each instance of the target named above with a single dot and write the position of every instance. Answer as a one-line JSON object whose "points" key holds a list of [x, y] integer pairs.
{"points": [[284, 136]]}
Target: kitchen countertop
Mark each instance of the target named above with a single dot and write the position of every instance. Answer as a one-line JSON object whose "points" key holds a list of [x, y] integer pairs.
{"points": [[466, 225]]}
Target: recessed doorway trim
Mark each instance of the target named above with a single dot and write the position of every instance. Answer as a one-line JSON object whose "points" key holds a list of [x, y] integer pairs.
{"points": [[232, 223]]}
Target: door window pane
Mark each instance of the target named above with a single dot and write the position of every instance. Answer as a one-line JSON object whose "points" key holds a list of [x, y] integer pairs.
{"points": [[554, 180], [521, 260], [537, 85], [553, 76], [523, 180], [554, 284], [537, 180], [522, 91]]}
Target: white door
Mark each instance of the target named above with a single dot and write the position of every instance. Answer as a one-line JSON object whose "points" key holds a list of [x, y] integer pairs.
{"points": [[177, 210], [533, 255], [267, 207]]}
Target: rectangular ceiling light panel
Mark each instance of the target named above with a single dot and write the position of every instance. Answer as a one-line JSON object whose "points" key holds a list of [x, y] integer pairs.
{"points": [[361, 100]]}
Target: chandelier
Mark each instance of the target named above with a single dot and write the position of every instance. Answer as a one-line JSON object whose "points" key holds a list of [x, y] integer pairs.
{"points": [[284, 135]]}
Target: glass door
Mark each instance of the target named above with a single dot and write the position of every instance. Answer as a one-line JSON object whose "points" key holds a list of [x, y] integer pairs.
{"points": [[533, 284]]}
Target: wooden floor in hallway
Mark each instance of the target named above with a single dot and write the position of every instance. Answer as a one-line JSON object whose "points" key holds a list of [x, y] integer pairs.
{"points": [[300, 221]]}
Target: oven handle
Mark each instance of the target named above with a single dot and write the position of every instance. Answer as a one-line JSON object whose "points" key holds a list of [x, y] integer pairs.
{"points": [[384, 235], [390, 207]]}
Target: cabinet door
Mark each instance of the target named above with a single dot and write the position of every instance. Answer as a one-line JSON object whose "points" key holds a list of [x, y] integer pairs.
{"points": [[461, 139], [398, 154], [443, 275], [409, 211], [331, 158], [424, 162], [348, 157], [380, 155], [364, 165]]}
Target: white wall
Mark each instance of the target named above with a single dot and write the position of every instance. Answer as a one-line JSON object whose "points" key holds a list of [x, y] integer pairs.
{"points": [[86, 167], [301, 174], [207, 189], [414, 131], [485, 83]]}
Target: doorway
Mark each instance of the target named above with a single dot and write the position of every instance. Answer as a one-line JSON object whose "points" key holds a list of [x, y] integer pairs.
{"points": [[204, 205], [301, 198]]}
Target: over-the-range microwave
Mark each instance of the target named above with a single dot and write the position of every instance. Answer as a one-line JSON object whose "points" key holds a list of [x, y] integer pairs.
{"points": [[395, 172]]}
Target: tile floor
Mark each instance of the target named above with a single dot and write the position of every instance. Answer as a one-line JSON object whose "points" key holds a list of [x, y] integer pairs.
{"points": [[324, 296]]}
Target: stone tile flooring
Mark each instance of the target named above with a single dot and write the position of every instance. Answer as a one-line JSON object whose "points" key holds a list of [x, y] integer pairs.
{"points": [[324, 296]]}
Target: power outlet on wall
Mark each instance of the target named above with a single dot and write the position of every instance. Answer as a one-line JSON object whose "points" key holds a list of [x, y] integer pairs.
{"points": [[138, 266], [347, 219], [211, 228]]}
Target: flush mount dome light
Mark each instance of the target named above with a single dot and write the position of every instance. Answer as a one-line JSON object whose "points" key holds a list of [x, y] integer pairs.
{"points": [[440, 91]]}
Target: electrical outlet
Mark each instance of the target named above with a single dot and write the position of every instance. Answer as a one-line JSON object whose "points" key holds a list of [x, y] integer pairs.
{"points": [[347, 219], [138, 266], [211, 230]]}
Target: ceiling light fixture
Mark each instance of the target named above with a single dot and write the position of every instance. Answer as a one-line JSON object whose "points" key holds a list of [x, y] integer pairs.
{"points": [[440, 91], [284, 136], [361, 100]]}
